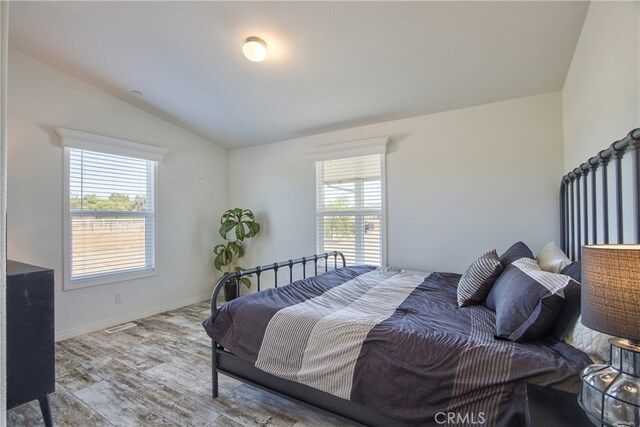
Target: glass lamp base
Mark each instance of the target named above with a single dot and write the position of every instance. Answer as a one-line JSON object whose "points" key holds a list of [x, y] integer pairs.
{"points": [[610, 395]]}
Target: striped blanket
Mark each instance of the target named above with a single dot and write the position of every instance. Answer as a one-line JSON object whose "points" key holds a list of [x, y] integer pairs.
{"points": [[395, 342]]}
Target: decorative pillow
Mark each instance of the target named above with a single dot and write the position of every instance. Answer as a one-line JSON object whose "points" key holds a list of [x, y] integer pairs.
{"points": [[527, 300], [569, 313], [552, 259], [476, 282], [594, 343], [574, 270], [515, 252]]}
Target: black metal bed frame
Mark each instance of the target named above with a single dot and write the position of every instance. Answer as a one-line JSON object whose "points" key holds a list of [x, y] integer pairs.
{"points": [[275, 267], [579, 224], [579, 212], [231, 365]]}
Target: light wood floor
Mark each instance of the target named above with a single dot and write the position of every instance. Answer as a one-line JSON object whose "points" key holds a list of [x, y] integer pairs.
{"points": [[156, 374]]}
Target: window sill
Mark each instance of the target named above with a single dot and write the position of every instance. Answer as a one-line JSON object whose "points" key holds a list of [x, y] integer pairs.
{"points": [[70, 285]]}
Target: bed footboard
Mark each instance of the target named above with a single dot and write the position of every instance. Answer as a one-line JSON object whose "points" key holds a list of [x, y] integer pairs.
{"points": [[258, 272]]}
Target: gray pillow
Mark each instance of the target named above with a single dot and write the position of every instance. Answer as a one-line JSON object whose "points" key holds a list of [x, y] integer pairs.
{"points": [[476, 282], [526, 300], [574, 270], [570, 312], [515, 252]]}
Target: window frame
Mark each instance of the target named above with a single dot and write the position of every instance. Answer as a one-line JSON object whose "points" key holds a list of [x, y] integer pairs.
{"points": [[71, 139], [348, 150]]}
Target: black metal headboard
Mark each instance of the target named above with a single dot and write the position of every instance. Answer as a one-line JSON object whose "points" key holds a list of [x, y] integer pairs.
{"points": [[589, 197]]}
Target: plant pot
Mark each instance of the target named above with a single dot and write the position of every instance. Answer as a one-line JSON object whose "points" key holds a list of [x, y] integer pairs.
{"points": [[230, 291]]}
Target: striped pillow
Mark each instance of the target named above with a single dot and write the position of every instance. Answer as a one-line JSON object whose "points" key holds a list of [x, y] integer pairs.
{"points": [[475, 284], [552, 259]]}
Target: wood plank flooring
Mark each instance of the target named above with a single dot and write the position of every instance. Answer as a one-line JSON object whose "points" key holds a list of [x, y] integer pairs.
{"points": [[157, 373]]}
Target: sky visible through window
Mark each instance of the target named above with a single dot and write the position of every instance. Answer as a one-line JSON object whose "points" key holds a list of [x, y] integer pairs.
{"points": [[98, 176], [111, 204], [342, 195]]}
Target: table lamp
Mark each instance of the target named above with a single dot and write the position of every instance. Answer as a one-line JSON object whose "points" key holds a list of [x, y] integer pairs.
{"points": [[611, 304]]}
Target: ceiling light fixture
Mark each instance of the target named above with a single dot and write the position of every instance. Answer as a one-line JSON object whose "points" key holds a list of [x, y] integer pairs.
{"points": [[255, 49]]}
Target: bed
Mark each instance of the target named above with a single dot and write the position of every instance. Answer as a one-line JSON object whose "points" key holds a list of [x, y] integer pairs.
{"points": [[382, 346]]}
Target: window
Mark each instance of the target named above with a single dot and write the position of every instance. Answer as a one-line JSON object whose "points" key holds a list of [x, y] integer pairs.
{"points": [[109, 212], [350, 204]]}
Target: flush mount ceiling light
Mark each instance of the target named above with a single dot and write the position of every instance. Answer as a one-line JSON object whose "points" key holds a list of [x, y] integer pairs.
{"points": [[255, 49]]}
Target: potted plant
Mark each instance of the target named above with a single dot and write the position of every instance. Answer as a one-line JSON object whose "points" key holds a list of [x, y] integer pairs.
{"points": [[236, 225]]}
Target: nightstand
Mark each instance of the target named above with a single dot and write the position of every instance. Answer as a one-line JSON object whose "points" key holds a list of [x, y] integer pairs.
{"points": [[548, 407]]}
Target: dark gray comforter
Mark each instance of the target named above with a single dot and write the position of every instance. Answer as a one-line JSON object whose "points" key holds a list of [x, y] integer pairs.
{"points": [[395, 342]]}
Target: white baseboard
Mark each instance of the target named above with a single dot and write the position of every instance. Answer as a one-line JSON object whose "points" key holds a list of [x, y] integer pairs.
{"points": [[97, 326]]}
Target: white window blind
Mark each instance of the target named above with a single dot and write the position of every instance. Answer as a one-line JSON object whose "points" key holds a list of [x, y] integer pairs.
{"points": [[349, 207], [111, 214]]}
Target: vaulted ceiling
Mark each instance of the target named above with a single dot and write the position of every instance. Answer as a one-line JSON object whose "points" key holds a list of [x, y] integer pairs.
{"points": [[331, 65]]}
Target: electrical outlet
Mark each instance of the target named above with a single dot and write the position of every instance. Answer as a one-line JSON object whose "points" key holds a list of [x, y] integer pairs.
{"points": [[118, 298]]}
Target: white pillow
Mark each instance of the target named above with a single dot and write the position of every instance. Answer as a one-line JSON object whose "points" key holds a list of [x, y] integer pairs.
{"points": [[552, 259], [594, 343]]}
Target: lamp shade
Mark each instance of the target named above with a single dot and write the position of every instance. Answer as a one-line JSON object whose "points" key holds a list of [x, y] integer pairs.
{"points": [[611, 289]]}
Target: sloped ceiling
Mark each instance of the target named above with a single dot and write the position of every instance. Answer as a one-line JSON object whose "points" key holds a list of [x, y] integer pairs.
{"points": [[331, 65]]}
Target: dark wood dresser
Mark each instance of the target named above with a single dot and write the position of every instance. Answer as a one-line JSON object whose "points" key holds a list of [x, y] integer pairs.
{"points": [[30, 336]]}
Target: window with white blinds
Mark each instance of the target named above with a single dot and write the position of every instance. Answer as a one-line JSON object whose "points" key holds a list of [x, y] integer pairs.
{"points": [[111, 214], [349, 207]]}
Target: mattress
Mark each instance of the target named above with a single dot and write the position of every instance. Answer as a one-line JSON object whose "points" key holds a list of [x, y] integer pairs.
{"points": [[396, 342]]}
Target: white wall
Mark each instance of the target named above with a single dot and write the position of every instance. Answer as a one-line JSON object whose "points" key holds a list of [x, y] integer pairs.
{"points": [[458, 183], [601, 95], [192, 193]]}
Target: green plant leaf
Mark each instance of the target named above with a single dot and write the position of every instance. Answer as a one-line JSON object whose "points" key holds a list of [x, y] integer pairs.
{"points": [[220, 257], [226, 227], [240, 231], [245, 281], [219, 261], [226, 216], [234, 248], [253, 227]]}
